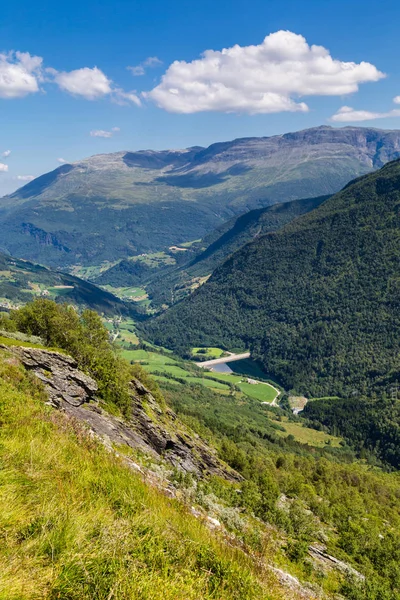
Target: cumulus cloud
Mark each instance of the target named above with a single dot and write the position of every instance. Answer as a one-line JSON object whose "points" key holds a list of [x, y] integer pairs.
{"points": [[104, 134], [396, 100], [3, 168], [91, 84], [266, 78], [25, 177], [150, 62], [62, 161], [20, 74], [6, 153], [346, 114]]}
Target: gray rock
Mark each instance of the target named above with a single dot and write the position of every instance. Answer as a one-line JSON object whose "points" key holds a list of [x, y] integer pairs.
{"points": [[148, 428], [64, 382]]}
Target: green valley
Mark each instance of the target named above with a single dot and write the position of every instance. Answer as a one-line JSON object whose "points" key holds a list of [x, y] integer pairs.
{"points": [[316, 302]]}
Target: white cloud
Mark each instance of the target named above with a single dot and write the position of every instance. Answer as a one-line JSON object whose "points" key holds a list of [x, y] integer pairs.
{"points": [[104, 134], [124, 98], [150, 62], [20, 74], [266, 78], [396, 100], [25, 177], [3, 168], [137, 71], [62, 161], [91, 84], [346, 114], [6, 153]]}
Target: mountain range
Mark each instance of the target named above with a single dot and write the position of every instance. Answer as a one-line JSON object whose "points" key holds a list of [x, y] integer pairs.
{"points": [[316, 301], [112, 206]]}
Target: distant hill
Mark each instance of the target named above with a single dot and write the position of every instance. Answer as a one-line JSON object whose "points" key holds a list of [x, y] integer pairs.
{"points": [[317, 301], [113, 206], [21, 280]]}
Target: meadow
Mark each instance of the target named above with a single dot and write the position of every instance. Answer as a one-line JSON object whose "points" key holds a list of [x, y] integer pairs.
{"points": [[207, 353], [162, 365]]}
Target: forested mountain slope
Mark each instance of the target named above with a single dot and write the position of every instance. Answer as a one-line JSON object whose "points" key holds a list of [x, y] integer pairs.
{"points": [[171, 286], [21, 281], [112, 206], [317, 302]]}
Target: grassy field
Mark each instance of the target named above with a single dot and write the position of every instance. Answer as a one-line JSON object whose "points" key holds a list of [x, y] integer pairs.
{"points": [[137, 294], [153, 362], [261, 391], [210, 353], [306, 435], [155, 259], [127, 330], [76, 524]]}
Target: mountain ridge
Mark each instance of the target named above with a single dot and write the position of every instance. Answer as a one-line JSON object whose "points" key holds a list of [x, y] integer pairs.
{"points": [[103, 207]]}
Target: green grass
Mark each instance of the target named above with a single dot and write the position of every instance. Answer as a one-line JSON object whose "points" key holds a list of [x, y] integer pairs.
{"points": [[155, 259], [153, 362], [261, 391], [76, 524], [210, 352], [207, 382], [173, 370], [309, 436], [189, 244], [6, 341], [127, 330], [162, 379], [146, 356]]}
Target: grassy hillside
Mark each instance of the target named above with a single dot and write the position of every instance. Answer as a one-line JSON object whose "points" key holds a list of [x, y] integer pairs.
{"points": [[76, 523], [111, 206], [316, 302], [21, 281]]}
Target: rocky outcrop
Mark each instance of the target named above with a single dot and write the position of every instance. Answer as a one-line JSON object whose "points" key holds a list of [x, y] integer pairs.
{"points": [[149, 428], [65, 384], [318, 553]]}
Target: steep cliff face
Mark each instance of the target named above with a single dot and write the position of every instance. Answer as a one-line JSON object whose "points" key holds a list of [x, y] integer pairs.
{"points": [[151, 429]]}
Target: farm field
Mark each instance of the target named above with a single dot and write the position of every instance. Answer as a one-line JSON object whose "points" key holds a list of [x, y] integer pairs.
{"points": [[306, 435], [209, 353], [260, 391], [154, 362], [136, 294]]}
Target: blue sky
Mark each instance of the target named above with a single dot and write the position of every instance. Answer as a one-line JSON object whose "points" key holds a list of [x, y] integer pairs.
{"points": [[78, 96]]}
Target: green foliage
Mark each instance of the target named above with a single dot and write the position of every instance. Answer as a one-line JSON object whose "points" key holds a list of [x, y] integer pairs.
{"points": [[316, 302], [169, 287], [306, 492], [7, 324], [76, 524], [85, 338], [20, 281], [370, 426]]}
